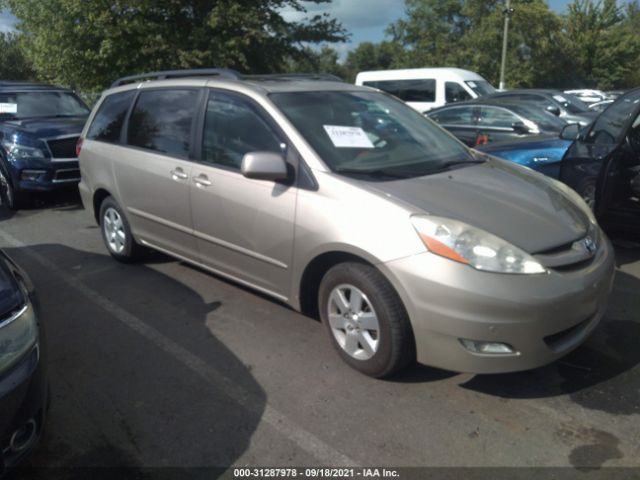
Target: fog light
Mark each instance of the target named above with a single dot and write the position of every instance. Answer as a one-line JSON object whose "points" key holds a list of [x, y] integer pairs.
{"points": [[32, 175], [492, 348]]}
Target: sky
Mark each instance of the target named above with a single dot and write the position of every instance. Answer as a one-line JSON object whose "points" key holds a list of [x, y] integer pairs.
{"points": [[366, 20]]}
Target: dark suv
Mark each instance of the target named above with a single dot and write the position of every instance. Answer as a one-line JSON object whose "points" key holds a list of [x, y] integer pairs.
{"points": [[39, 127]]}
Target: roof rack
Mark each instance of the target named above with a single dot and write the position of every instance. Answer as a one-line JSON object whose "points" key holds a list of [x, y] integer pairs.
{"points": [[198, 72], [295, 76]]}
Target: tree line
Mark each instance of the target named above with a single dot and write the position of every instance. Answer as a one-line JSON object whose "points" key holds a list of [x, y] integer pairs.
{"points": [[86, 44]]}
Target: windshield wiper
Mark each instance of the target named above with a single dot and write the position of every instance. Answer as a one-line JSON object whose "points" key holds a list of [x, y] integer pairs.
{"points": [[455, 163], [375, 172]]}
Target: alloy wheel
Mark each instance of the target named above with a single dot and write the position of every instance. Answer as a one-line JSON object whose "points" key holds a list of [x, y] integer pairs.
{"points": [[114, 230], [354, 322]]}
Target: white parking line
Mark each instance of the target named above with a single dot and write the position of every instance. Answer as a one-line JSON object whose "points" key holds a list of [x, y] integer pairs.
{"points": [[305, 440]]}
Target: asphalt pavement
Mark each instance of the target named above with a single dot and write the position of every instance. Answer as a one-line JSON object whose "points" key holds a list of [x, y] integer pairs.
{"points": [[160, 364]]}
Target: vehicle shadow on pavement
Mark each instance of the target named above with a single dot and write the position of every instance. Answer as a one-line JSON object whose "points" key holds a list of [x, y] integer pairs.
{"points": [[138, 382], [602, 374]]}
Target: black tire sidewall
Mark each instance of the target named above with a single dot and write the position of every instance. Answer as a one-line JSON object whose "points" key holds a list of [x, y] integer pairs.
{"points": [[128, 253], [360, 276], [15, 201]]}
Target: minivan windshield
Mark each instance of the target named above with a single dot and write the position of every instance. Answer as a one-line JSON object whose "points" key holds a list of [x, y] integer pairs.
{"points": [[371, 133], [38, 104]]}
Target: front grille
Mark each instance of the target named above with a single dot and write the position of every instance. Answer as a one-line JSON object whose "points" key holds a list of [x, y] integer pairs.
{"points": [[63, 147]]}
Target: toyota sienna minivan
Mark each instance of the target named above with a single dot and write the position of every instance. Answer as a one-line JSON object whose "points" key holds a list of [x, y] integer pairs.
{"points": [[346, 204]]}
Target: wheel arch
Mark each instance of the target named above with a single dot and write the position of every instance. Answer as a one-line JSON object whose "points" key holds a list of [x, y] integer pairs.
{"points": [[98, 197]]}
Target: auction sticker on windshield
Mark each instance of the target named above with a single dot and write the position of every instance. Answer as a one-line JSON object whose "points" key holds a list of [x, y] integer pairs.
{"points": [[348, 137], [8, 108]]}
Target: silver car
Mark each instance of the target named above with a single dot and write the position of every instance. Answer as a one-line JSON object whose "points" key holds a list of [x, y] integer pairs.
{"points": [[348, 205]]}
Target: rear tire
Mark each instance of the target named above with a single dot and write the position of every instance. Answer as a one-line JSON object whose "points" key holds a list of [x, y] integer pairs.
{"points": [[116, 233], [366, 320]]}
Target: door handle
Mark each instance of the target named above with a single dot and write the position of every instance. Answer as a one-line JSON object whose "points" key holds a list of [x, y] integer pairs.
{"points": [[178, 174], [202, 180]]}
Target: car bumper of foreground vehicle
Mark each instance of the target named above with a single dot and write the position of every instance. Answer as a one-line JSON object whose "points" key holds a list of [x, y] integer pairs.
{"points": [[465, 320]]}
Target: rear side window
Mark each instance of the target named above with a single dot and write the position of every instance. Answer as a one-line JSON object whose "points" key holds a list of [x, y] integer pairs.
{"points": [[232, 128], [497, 117], [107, 124], [454, 116], [162, 120], [417, 90], [454, 92]]}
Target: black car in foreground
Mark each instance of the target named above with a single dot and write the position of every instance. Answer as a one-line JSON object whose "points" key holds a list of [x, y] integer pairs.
{"points": [[23, 372], [568, 107], [478, 122], [39, 128], [603, 164]]}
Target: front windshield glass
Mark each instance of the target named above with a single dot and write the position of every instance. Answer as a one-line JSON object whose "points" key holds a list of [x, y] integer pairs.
{"points": [[571, 103], [369, 132], [546, 120], [19, 105], [481, 87]]}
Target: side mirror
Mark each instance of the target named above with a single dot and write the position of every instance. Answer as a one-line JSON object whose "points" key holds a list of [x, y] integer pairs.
{"points": [[570, 132], [264, 166], [553, 110], [519, 127]]}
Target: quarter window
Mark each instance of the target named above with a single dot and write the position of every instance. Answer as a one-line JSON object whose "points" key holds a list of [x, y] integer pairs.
{"points": [[107, 124], [233, 128], [162, 119], [418, 90]]}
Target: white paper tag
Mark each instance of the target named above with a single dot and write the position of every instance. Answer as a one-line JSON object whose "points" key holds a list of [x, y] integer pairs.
{"points": [[8, 108], [560, 98], [348, 137], [472, 84]]}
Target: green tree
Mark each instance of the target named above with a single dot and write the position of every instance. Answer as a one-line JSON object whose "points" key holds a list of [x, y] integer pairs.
{"points": [[309, 60], [88, 43], [13, 64], [374, 56]]}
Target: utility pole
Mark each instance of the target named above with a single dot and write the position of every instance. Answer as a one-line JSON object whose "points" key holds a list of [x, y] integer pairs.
{"points": [[507, 16]]}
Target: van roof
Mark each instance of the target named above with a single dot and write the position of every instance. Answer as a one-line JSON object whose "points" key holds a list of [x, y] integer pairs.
{"points": [[419, 72]]}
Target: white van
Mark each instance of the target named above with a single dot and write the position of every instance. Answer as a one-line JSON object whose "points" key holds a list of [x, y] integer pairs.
{"points": [[427, 88]]}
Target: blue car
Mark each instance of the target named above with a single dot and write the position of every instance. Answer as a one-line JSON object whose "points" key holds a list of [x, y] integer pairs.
{"points": [[39, 128], [541, 153]]}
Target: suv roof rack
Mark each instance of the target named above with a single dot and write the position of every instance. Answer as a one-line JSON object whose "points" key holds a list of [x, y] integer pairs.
{"points": [[198, 72]]}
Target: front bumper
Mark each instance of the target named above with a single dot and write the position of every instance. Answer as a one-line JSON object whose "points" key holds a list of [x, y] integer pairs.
{"points": [[543, 317], [55, 175]]}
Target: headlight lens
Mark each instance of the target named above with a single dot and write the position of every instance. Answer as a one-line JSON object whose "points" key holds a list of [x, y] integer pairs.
{"points": [[463, 243], [19, 152], [18, 335]]}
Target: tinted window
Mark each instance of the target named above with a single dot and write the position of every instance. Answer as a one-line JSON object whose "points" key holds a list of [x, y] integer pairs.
{"points": [[408, 90], [609, 126], [454, 92], [233, 128], [107, 123], [161, 121], [497, 118], [481, 87], [454, 116]]}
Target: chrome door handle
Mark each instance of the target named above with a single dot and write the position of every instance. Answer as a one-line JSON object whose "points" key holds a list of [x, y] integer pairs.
{"points": [[202, 181], [178, 174]]}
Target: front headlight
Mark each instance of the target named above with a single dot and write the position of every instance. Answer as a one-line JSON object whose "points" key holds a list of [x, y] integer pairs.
{"points": [[20, 152], [18, 334], [463, 243]]}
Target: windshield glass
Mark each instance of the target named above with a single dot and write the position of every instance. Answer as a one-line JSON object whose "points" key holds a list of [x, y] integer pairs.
{"points": [[370, 132], [18, 105], [546, 120], [481, 87], [571, 103]]}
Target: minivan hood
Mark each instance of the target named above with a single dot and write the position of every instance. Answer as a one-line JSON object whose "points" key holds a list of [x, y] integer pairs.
{"points": [[48, 127], [512, 202]]}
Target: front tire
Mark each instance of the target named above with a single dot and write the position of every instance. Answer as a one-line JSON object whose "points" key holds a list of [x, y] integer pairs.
{"points": [[12, 198], [366, 320], [116, 233]]}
